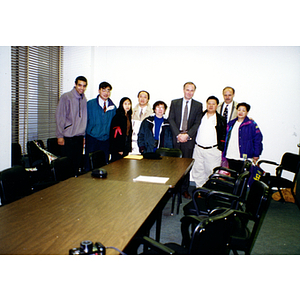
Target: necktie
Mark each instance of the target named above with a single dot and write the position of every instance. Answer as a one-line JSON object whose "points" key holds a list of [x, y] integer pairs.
{"points": [[184, 120], [225, 113], [141, 114], [104, 106]]}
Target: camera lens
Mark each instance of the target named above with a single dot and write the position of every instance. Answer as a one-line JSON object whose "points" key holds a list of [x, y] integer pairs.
{"points": [[86, 246]]}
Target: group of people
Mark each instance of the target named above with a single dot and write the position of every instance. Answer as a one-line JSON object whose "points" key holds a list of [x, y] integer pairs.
{"points": [[221, 134]]}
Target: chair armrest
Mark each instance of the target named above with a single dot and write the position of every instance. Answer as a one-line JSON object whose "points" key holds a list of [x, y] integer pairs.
{"points": [[156, 246], [222, 176], [232, 172], [224, 197], [219, 184], [267, 162]]}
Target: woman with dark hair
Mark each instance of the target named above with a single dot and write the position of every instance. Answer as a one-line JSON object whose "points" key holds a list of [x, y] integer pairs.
{"points": [[243, 139], [121, 130], [155, 131]]}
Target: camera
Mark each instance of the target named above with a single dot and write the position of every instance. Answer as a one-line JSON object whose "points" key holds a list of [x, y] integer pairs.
{"points": [[88, 248]]}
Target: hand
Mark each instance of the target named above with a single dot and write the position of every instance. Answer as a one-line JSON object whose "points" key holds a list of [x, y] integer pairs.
{"points": [[121, 153], [183, 137], [60, 141], [255, 159]]}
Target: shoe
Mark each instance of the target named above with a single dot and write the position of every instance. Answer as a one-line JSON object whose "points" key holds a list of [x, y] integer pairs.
{"points": [[186, 195]]}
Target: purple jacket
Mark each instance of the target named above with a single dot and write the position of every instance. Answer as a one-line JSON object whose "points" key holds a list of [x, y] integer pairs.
{"points": [[250, 138]]}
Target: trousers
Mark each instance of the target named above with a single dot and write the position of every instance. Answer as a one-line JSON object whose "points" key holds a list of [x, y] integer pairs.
{"points": [[205, 161]]}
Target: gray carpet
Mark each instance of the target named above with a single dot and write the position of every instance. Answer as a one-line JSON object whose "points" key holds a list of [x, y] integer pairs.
{"points": [[279, 234]]}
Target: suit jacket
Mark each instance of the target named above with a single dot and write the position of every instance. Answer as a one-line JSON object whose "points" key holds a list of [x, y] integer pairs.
{"points": [[233, 114], [194, 119]]}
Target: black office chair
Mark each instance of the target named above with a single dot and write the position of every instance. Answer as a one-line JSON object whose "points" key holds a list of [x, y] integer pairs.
{"points": [[97, 159], [172, 152], [217, 172], [37, 158], [202, 204], [289, 162], [298, 189], [54, 148], [16, 155], [248, 223], [210, 235], [14, 184], [62, 169]]}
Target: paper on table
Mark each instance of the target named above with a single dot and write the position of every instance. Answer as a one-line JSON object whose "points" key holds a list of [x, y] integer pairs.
{"points": [[152, 179], [133, 156]]}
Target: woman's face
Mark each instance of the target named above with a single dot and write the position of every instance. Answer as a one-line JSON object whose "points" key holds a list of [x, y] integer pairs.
{"points": [[143, 99], [242, 113], [159, 110], [126, 106]]}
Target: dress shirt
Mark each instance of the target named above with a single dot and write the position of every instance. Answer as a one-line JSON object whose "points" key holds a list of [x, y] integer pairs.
{"points": [[101, 102], [230, 105], [183, 107]]}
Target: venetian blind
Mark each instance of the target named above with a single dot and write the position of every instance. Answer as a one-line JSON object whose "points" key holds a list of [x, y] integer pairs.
{"points": [[36, 88]]}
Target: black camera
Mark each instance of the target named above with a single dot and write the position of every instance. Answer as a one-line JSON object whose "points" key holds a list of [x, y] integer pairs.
{"points": [[88, 248]]}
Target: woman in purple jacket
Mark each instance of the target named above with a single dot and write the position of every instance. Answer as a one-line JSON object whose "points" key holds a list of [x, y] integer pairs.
{"points": [[243, 139]]}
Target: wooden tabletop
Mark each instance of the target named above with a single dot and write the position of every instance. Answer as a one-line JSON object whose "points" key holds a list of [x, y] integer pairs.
{"points": [[109, 211], [58, 218], [173, 168]]}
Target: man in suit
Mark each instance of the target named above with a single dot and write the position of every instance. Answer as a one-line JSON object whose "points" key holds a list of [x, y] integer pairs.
{"points": [[228, 108], [184, 118]]}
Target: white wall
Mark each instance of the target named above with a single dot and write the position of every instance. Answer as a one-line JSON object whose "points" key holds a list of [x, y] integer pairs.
{"points": [[5, 111], [265, 77]]}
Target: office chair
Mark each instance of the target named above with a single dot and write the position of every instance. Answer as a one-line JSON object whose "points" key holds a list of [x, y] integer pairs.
{"points": [[289, 162], [16, 155], [218, 172], [202, 203], [248, 223], [207, 236], [62, 169], [97, 159], [37, 158], [14, 184], [172, 152]]}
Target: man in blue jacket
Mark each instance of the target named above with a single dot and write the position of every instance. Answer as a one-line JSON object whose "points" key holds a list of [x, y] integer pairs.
{"points": [[100, 112]]}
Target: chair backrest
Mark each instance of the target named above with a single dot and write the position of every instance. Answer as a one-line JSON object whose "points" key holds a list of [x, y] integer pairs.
{"points": [[290, 162], [14, 184], [37, 158], [211, 235], [171, 152], [240, 186], [53, 147], [62, 168], [297, 194], [257, 200], [97, 159], [256, 208], [16, 154]]}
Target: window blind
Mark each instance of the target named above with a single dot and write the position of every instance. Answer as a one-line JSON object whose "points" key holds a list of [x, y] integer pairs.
{"points": [[36, 88]]}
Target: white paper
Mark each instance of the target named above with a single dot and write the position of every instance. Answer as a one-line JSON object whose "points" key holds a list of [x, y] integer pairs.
{"points": [[152, 179]]}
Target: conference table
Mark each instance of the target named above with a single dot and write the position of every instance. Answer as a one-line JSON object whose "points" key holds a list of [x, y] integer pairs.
{"points": [[111, 211]]}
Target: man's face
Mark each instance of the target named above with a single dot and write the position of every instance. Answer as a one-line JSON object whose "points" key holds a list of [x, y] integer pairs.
{"points": [[80, 86], [189, 91], [143, 99], [104, 93], [159, 110], [211, 106], [228, 96]]}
